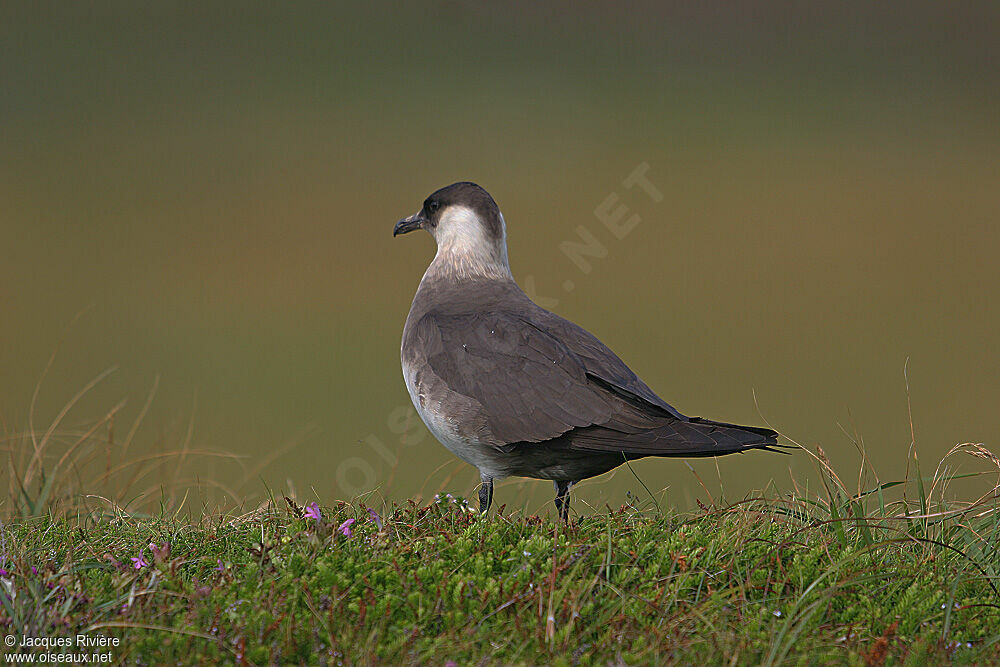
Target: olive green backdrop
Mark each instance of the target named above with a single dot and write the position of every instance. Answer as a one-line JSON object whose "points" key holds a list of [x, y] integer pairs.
{"points": [[212, 189]]}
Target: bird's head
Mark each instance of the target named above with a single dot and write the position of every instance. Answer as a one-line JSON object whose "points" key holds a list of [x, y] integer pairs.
{"points": [[468, 227]]}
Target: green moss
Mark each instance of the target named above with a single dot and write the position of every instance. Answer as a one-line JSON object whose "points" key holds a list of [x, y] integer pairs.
{"points": [[439, 584]]}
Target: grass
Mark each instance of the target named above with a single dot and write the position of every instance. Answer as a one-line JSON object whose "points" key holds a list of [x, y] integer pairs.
{"points": [[895, 572], [781, 581]]}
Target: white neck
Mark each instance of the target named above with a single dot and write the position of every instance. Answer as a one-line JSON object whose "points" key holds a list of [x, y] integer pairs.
{"points": [[465, 249]]}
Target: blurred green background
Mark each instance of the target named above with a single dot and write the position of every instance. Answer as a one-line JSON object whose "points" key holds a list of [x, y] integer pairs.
{"points": [[214, 186]]}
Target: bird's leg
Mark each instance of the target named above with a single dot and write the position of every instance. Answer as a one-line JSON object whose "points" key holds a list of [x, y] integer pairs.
{"points": [[562, 499], [485, 493]]}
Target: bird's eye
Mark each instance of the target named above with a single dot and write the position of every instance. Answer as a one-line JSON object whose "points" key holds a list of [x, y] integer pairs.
{"points": [[433, 206]]}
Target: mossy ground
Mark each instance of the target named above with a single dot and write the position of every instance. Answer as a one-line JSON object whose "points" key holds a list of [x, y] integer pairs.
{"points": [[759, 582]]}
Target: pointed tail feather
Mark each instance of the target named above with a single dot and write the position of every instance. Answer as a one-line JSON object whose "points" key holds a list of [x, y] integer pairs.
{"points": [[688, 438]]}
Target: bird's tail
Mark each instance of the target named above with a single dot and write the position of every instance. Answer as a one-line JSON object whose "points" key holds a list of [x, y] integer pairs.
{"points": [[686, 438], [732, 438]]}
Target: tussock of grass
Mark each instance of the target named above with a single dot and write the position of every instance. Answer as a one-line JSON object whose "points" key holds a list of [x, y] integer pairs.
{"points": [[61, 470]]}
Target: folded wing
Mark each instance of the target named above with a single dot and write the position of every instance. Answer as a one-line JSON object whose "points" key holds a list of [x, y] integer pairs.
{"points": [[538, 378]]}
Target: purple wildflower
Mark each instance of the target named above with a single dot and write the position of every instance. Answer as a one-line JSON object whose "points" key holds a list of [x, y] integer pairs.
{"points": [[4, 573], [220, 567], [345, 528], [312, 512], [375, 517], [140, 562], [34, 570]]}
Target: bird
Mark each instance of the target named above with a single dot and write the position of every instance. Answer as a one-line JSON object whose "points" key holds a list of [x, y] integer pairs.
{"points": [[516, 390]]}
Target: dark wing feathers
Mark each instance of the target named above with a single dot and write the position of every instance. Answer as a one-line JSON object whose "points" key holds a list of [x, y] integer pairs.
{"points": [[532, 388], [539, 377]]}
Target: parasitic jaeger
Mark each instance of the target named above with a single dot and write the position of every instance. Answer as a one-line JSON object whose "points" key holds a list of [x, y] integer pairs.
{"points": [[516, 390]]}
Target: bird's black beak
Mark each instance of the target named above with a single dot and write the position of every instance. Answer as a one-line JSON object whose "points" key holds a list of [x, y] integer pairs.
{"points": [[409, 224]]}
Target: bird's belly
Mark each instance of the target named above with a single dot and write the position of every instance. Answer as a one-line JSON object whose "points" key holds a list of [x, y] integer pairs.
{"points": [[457, 437], [553, 460]]}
